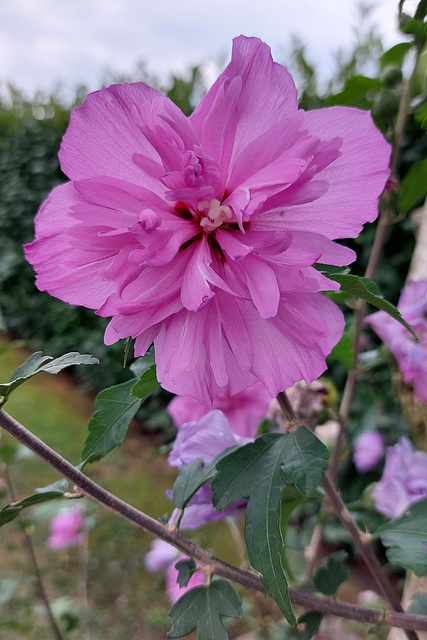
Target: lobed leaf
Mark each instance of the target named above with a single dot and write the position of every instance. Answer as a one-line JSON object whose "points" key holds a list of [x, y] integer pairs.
{"points": [[332, 573], [406, 538], [185, 569], [260, 471], [203, 608]]}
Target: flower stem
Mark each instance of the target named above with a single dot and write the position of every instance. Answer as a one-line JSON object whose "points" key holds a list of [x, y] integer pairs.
{"points": [[220, 568], [36, 569], [362, 540]]}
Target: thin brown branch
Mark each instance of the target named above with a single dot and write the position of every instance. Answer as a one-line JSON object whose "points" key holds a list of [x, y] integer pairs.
{"points": [[171, 535], [35, 566], [363, 543]]}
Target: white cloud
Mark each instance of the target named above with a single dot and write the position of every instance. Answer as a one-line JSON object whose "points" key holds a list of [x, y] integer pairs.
{"points": [[43, 41]]}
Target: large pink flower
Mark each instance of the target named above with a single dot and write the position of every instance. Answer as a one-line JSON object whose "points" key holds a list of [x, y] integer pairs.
{"points": [[201, 233]]}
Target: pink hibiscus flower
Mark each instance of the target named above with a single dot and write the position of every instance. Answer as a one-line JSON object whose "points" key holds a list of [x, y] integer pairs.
{"points": [[411, 355], [201, 233], [67, 528]]}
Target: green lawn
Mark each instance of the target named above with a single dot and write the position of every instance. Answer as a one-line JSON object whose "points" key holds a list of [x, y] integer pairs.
{"points": [[123, 600]]}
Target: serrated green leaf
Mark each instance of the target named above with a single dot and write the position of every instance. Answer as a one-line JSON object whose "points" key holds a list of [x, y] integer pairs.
{"points": [[185, 569], [332, 573], [260, 471], [115, 408], [37, 363], [413, 187], [146, 384], [12, 510], [406, 538], [203, 608], [368, 290]]}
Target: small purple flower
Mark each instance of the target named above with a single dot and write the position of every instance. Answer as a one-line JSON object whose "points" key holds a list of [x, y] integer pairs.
{"points": [[204, 439], [67, 528], [160, 556], [163, 557], [368, 450], [173, 589], [411, 355], [404, 479]]}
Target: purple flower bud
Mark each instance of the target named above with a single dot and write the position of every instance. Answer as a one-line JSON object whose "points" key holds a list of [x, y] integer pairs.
{"points": [[368, 450]]}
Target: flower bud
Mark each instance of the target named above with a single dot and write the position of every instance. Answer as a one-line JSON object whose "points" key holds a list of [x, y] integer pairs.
{"points": [[391, 76], [386, 104]]}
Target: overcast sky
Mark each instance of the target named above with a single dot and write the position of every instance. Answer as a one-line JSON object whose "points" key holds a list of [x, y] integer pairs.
{"points": [[75, 41]]}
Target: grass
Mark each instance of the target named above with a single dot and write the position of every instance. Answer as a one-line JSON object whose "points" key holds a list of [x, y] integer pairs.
{"points": [[123, 600]]}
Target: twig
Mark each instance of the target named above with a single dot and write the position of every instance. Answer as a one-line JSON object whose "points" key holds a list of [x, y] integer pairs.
{"points": [[32, 555], [171, 535], [362, 540]]}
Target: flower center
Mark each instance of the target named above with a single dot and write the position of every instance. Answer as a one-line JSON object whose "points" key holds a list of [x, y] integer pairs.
{"points": [[213, 214]]}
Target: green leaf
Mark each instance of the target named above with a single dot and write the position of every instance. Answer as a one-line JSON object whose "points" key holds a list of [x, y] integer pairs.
{"points": [[312, 620], [51, 492], [343, 351], [368, 290], [38, 362], [193, 476], [185, 569], [115, 408], [189, 480], [406, 538], [355, 92], [395, 55], [413, 187], [332, 573], [260, 471], [203, 608], [146, 384]]}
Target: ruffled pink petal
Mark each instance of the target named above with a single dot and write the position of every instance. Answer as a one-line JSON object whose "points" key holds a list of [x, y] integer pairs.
{"points": [[249, 78], [121, 122], [291, 346], [63, 270], [355, 179]]}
